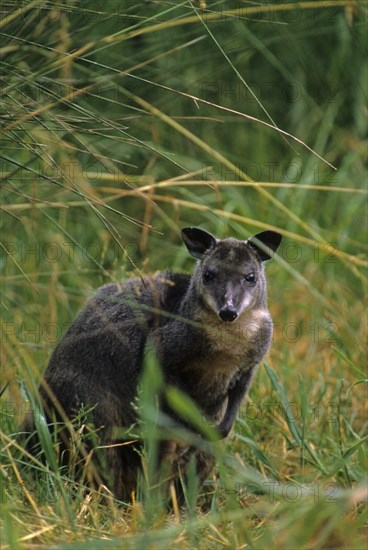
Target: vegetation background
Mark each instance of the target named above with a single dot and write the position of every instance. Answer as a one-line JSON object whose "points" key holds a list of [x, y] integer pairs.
{"points": [[123, 122]]}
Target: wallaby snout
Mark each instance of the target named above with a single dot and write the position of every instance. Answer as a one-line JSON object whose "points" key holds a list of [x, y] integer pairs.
{"points": [[228, 314]]}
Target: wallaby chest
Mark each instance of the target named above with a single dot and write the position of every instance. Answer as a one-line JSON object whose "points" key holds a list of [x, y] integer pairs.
{"points": [[206, 359], [233, 347]]}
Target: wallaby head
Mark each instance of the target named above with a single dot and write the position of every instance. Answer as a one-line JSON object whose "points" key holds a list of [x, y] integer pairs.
{"points": [[229, 278]]}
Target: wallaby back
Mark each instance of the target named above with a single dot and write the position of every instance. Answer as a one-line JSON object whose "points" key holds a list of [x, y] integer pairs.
{"points": [[209, 330]]}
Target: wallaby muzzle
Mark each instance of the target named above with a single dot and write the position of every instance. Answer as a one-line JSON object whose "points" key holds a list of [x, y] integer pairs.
{"points": [[228, 314]]}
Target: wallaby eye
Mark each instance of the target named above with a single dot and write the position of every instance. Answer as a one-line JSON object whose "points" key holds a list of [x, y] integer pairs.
{"points": [[250, 278], [208, 276]]}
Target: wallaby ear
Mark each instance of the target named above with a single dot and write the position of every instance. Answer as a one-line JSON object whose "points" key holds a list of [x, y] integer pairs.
{"points": [[197, 241], [265, 244]]}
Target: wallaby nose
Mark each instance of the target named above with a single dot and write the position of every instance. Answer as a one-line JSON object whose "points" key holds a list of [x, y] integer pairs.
{"points": [[228, 314]]}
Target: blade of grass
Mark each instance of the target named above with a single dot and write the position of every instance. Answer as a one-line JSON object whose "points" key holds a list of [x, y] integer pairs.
{"points": [[289, 416]]}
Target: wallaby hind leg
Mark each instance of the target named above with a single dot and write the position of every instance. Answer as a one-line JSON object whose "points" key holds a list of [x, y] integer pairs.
{"points": [[123, 466], [204, 463]]}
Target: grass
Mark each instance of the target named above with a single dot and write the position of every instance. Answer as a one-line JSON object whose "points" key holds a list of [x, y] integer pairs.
{"points": [[122, 123]]}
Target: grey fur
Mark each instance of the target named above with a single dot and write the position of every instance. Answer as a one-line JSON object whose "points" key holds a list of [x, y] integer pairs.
{"points": [[98, 362]]}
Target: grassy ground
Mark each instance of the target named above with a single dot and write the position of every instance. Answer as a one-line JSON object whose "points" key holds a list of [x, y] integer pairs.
{"points": [[122, 123]]}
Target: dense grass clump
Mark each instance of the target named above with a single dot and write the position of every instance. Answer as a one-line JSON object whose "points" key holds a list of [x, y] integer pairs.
{"points": [[123, 122]]}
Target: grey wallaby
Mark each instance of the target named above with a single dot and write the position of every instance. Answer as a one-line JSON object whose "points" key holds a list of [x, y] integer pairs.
{"points": [[209, 331]]}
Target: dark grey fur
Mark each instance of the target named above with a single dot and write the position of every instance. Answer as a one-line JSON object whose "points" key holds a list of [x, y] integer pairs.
{"points": [[218, 331]]}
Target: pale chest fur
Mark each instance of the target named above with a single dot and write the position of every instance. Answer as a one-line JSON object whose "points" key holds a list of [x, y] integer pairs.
{"points": [[233, 347]]}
